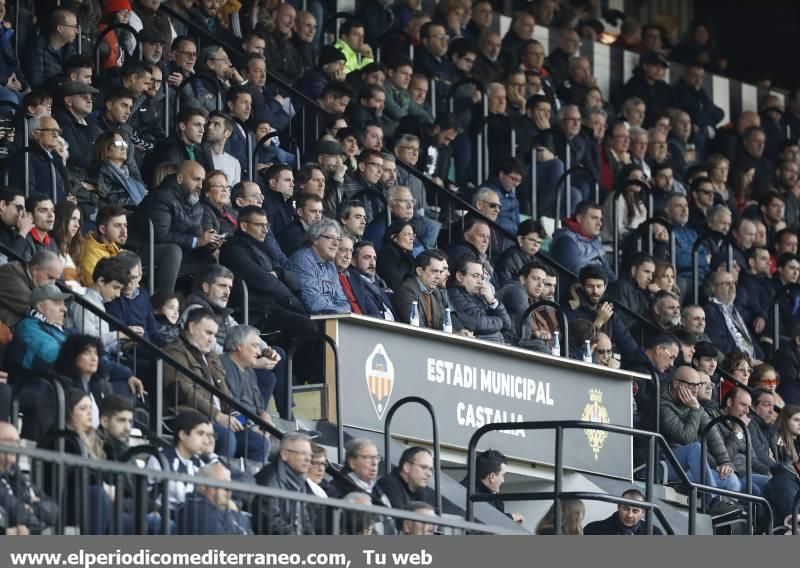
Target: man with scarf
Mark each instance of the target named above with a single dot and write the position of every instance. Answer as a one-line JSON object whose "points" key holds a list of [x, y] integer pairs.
{"points": [[725, 325]]}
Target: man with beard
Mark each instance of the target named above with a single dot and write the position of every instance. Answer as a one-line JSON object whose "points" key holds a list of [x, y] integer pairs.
{"points": [[635, 289], [627, 520], [588, 303], [365, 264], [176, 214]]}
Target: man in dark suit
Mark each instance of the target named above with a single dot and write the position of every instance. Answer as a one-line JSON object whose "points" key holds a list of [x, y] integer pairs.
{"points": [[423, 288], [724, 323], [185, 145], [353, 285]]}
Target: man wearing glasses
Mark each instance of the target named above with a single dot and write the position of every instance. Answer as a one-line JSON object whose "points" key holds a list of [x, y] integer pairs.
{"points": [[409, 480], [43, 161], [725, 325], [507, 178], [682, 421], [288, 472], [15, 222], [476, 305], [655, 360], [48, 51]]}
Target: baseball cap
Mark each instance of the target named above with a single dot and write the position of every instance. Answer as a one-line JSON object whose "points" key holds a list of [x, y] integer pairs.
{"points": [[47, 292]]}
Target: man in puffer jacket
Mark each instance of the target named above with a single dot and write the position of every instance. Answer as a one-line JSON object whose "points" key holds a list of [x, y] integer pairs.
{"points": [[578, 243]]}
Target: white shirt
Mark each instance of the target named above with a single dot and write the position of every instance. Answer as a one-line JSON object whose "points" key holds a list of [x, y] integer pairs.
{"points": [[229, 165]]}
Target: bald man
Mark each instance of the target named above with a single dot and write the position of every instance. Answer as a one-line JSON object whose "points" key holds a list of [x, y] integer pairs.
{"points": [[181, 243], [28, 509], [209, 510]]}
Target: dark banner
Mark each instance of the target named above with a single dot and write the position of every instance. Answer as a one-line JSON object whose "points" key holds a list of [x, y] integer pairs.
{"points": [[472, 383]]}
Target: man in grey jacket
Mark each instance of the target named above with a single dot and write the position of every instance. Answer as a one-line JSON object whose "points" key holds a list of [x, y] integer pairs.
{"points": [[682, 421], [476, 305]]}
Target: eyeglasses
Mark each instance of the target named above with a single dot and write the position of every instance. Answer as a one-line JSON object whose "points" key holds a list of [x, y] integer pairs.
{"points": [[671, 356], [258, 225], [333, 238], [321, 464], [769, 382], [493, 205], [371, 459], [375, 165], [604, 352], [425, 468], [120, 144], [56, 131], [74, 26], [745, 369], [690, 386], [411, 200], [298, 452]]}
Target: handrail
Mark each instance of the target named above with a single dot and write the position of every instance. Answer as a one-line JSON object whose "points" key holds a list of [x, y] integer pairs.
{"points": [[645, 190], [248, 488], [706, 237], [647, 225], [110, 28], [130, 454], [776, 311], [566, 177], [560, 425], [114, 323], [437, 458], [395, 32], [52, 380], [290, 353], [748, 458], [205, 78], [564, 322]]}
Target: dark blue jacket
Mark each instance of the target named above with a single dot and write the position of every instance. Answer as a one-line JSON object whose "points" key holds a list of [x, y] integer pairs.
{"points": [[200, 517], [719, 334], [612, 526], [279, 211], [366, 301], [40, 178], [237, 147], [42, 61], [787, 363], [137, 311], [509, 211]]}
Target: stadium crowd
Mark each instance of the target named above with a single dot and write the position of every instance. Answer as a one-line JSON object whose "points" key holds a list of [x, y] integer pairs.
{"points": [[329, 181]]}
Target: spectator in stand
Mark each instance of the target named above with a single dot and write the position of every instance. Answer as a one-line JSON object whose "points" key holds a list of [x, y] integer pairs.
{"points": [[422, 287], [352, 284], [362, 462], [507, 178], [682, 421], [190, 124], [41, 208], [573, 512], [530, 236], [628, 200], [116, 183], [685, 236], [44, 267], [353, 219], [277, 516], [15, 222], [71, 114], [476, 305], [578, 243], [330, 67], [277, 199], [320, 290], [557, 62], [195, 351], [111, 235], [488, 67], [208, 511], [635, 289], [787, 363], [518, 295], [737, 405], [399, 103], [51, 47], [490, 473], [724, 321], [396, 262], [351, 43], [68, 239], [409, 480], [308, 211], [108, 280], [690, 96], [45, 167], [219, 131], [784, 483], [28, 510], [281, 52], [430, 59], [267, 101], [628, 520], [364, 264], [215, 200], [762, 434], [765, 377]]}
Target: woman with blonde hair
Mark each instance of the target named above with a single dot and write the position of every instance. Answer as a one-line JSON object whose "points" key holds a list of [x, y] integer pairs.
{"points": [[572, 513]]}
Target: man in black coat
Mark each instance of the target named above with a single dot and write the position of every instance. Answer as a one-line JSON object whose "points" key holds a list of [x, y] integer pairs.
{"points": [[278, 197], [282, 516], [46, 170], [176, 214], [429, 269], [206, 511], [308, 210], [353, 285], [15, 222], [635, 289], [628, 520], [490, 470], [273, 303], [185, 145], [762, 434], [71, 114], [409, 480], [648, 84], [787, 363]]}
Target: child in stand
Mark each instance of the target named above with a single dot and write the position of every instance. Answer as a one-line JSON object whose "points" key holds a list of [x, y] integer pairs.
{"points": [[167, 309]]}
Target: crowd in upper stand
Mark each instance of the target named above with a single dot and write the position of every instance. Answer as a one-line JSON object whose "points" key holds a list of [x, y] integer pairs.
{"points": [[332, 178]]}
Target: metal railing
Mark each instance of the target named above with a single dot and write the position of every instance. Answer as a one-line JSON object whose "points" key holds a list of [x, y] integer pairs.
{"points": [[558, 494], [748, 460], [648, 226], [387, 442], [790, 291], [564, 322], [615, 197], [109, 29], [84, 474], [564, 185]]}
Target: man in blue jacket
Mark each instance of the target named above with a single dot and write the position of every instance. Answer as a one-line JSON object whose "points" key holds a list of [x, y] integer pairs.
{"points": [[207, 511], [577, 243]]}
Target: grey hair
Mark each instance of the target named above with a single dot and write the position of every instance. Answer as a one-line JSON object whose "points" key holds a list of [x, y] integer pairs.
{"points": [[324, 224], [35, 123], [129, 259], [213, 272], [291, 438], [237, 335], [636, 131], [396, 189], [716, 211], [492, 87], [563, 111], [354, 446], [358, 498], [591, 113], [388, 157], [481, 194], [43, 258]]}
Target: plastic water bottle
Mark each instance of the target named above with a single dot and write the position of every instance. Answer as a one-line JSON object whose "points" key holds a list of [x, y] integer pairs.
{"points": [[414, 319], [447, 326], [587, 352], [556, 348]]}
